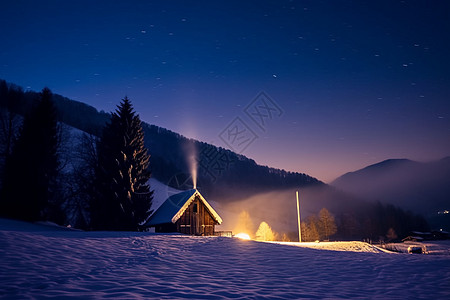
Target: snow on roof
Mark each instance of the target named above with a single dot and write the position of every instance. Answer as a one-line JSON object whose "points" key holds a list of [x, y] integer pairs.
{"points": [[160, 193], [215, 215], [174, 207]]}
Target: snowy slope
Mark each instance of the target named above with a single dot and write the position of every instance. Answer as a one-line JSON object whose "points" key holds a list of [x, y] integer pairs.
{"points": [[354, 246], [429, 247], [39, 261]]}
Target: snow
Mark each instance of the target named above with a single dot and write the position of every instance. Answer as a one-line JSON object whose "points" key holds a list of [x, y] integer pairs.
{"points": [[170, 208], [428, 247], [160, 193], [39, 261], [353, 246]]}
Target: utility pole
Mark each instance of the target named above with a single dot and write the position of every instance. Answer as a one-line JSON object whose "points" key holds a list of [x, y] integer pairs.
{"points": [[298, 219]]}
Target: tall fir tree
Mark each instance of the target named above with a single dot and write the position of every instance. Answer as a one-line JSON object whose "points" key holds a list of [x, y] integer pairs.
{"points": [[123, 198], [31, 168]]}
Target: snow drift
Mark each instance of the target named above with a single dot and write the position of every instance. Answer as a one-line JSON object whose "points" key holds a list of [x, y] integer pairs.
{"points": [[38, 261]]}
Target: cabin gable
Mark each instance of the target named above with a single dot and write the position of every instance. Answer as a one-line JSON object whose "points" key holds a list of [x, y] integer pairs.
{"points": [[196, 219]]}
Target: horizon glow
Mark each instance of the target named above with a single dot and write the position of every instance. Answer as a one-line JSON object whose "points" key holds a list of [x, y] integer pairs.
{"points": [[357, 82]]}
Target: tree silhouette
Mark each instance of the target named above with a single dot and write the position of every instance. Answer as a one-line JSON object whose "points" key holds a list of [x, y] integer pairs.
{"points": [[32, 167], [10, 121], [391, 235], [123, 197], [310, 233]]}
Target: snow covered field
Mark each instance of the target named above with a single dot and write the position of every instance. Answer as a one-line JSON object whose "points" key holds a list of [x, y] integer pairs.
{"points": [[428, 247], [337, 246], [38, 261]]}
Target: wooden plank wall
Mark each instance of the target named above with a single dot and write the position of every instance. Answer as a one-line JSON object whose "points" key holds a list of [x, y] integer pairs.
{"points": [[196, 223]]}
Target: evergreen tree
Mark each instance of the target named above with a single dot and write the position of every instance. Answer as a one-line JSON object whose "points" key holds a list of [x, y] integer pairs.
{"points": [[10, 122], [265, 233], [123, 197], [349, 226], [32, 166]]}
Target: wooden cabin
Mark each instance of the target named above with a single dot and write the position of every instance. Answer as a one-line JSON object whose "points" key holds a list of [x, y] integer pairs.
{"points": [[185, 212]]}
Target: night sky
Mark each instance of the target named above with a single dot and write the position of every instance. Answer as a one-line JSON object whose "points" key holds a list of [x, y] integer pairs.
{"points": [[350, 83]]}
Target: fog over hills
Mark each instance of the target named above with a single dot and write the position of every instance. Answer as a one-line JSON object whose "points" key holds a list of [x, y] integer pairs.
{"points": [[268, 194], [220, 171], [422, 187]]}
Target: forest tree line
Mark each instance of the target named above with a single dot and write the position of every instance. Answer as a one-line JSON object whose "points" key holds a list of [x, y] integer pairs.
{"points": [[73, 183], [375, 223]]}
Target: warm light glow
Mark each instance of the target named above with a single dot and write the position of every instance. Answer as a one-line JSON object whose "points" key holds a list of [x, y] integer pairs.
{"points": [[242, 235]]}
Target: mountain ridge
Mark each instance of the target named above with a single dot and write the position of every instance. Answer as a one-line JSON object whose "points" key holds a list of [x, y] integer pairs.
{"points": [[168, 150], [233, 180], [403, 182], [373, 168]]}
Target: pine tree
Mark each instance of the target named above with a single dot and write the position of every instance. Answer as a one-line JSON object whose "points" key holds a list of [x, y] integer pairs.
{"points": [[32, 166], [123, 198]]}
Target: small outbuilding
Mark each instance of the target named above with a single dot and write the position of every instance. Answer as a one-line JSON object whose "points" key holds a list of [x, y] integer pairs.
{"points": [[185, 212]]}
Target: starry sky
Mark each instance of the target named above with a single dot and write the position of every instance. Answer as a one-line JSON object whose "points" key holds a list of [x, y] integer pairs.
{"points": [[344, 83]]}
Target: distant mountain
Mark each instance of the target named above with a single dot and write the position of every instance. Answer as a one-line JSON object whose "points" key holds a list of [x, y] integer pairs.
{"points": [[370, 178], [420, 187]]}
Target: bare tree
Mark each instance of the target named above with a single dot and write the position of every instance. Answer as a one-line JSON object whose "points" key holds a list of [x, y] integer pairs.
{"points": [[310, 232], [327, 224], [391, 235], [80, 180]]}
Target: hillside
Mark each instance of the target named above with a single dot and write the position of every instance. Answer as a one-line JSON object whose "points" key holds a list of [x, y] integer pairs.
{"points": [[384, 175], [221, 171], [235, 182], [420, 187]]}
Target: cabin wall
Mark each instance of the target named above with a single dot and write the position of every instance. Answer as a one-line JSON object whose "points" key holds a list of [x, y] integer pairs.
{"points": [[166, 228], [196, 220]]}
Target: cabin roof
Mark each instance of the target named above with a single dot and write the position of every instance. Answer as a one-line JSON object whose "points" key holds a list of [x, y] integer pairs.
{"points": [[174, 207]]}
